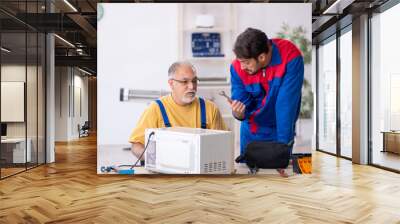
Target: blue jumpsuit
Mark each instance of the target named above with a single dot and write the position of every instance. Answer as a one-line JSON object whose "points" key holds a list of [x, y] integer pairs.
{"points": [[272, 96]]}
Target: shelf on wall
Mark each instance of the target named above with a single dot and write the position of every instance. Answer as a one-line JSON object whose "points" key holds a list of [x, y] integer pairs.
{"points": [[214, 84], [214, 81], [210, 59], [215, 69], [208, 30]]}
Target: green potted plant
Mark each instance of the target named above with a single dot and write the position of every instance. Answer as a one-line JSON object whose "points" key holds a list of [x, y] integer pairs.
{"points": [[298, 36]]}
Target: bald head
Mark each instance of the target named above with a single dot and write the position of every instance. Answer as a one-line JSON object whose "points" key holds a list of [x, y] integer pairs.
{"points": [[183, 82], [176, 65]]}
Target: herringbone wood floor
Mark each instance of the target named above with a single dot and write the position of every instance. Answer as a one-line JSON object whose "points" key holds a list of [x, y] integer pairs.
{"points": [[70, 191]]}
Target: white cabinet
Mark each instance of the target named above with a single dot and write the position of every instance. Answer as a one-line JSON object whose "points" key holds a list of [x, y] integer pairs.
{"points": [[20, 154], [208, 68], [17, 146]]}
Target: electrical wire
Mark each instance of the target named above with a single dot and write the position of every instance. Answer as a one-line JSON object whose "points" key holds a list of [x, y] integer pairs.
{"points": [[148, 141]]}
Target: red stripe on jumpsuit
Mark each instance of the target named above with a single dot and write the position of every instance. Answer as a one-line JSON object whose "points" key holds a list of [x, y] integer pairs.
{"points": [[264, 84], [287, 53], [248, 79]]}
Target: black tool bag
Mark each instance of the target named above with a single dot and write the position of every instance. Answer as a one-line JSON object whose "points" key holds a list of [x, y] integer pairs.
{"points": [[266, 155]]}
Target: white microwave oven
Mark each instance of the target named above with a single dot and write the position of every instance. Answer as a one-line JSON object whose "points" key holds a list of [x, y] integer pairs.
{"points": [[179, 150]]}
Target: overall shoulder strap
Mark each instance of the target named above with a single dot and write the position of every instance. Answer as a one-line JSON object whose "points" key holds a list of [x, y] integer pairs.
{"points": [[163, 113], [203, 113]]}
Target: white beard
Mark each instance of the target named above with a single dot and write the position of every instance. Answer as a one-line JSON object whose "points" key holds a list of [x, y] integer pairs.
{"points": [[188, 99]]}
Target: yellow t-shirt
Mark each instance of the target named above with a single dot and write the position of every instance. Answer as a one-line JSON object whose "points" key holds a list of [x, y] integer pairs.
{"points": [[179, 116]]}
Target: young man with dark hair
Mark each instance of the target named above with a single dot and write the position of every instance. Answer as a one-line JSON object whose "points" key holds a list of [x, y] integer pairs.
{"points": [[266, 81]]}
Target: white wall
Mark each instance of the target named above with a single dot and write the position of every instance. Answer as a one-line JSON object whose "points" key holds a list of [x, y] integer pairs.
{"points": [[136, 45], [270, 17], [80, 103], [135, 49], [12, 101], [61, 103], [14, 72], [67, 115], [17, 73], [33, 126]]}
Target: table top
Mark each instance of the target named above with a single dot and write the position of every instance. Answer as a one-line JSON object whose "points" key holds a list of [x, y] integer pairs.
{"points": [[391, 132], [116, 155], [13, 140]]}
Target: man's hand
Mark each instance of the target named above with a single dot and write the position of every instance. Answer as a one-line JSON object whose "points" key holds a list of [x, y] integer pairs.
{"points": [[137, 150], [238, 109]]}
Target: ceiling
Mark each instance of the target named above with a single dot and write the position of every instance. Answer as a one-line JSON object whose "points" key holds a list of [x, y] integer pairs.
{"points": [[76, 25], [76, 22]]}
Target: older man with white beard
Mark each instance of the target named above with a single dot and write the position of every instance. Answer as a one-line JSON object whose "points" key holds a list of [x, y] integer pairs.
{"points": [[181, 108]]}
